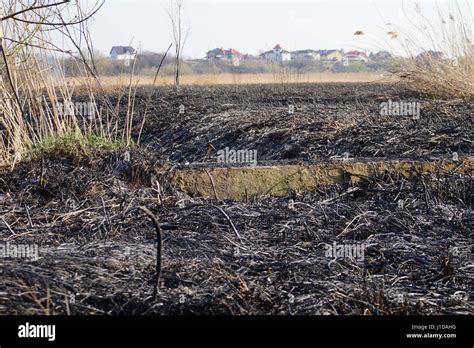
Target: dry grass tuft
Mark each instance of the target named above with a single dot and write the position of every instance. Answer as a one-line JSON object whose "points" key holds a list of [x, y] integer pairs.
{"points": [[440, 53], [37, 102]]}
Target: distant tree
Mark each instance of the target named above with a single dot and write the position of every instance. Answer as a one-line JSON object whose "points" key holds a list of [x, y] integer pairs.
{"points": [[180, 34], [151, 60], [353, 67]]}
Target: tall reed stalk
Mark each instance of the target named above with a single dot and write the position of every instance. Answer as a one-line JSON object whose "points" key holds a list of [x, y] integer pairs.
{"points": [[35, 98], [439, 50]]}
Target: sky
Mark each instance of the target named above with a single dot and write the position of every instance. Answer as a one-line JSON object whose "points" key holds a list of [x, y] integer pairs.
{"points": [[256, 26]]}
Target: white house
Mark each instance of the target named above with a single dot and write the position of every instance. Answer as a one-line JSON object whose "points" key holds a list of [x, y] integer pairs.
{"points": [[277, 54], [122, 53]]}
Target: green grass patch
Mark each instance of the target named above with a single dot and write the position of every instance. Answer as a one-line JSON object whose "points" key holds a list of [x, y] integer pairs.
{"points": [[73, 144]]}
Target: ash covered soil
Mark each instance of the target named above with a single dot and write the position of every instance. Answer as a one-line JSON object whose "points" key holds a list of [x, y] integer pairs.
{"points": [[329, 120], [97, 252]]}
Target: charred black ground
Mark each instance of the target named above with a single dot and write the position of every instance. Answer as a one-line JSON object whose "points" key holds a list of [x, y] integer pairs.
{"points": [[97, 251], [329, 120], [97, 254]]}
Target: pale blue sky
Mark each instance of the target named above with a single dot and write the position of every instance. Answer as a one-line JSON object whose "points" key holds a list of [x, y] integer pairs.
{"points": [[252, 26]]}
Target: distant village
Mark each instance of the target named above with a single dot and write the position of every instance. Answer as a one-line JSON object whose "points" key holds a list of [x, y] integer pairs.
{"points": [[221, 60], [277, 54]]}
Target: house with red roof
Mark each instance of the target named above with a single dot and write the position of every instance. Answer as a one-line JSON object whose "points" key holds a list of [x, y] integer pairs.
{"points": [[231, 55], [356, 56]]}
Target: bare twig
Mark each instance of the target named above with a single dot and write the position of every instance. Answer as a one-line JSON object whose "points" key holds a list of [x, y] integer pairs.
{"points": [[159, 247]]}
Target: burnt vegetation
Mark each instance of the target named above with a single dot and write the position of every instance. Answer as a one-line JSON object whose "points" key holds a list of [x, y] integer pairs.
{"points": [[117, 236], [98, 253]]}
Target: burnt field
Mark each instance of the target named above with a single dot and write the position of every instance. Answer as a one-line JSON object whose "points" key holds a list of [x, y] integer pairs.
{"points": [[328, 121], [406, 241]]}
